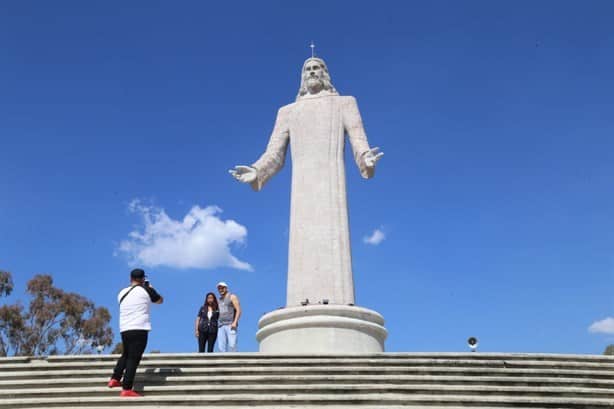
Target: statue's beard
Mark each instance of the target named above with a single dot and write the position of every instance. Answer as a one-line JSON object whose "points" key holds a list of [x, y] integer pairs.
{"points": [[315, 84]]}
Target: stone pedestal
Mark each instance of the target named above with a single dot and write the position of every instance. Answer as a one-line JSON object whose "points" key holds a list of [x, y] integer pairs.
{"points": [[322, 329]]}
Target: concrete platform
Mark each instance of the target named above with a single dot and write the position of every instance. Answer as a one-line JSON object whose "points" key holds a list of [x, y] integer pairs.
{"points": [[317, 329]]}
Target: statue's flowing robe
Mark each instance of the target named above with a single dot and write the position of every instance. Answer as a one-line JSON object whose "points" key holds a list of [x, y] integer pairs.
{"points": [[319, 259]]}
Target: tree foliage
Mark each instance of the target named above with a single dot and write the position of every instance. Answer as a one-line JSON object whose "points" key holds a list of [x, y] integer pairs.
{"points": [[609, 350], [55, 322], [6, 283]]}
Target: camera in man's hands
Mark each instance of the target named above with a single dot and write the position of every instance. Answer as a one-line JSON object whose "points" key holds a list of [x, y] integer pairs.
{"points": [[146, 283]]}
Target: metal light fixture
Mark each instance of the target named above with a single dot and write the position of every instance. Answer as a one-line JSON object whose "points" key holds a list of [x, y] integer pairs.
{"points": [[472, 342]]}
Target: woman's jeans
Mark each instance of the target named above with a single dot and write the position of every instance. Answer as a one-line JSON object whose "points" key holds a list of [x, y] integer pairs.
{"points": [[206, 338]]}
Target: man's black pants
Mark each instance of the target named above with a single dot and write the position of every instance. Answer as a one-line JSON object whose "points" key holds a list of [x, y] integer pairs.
{"points": [[206, 338], [134, 343]]}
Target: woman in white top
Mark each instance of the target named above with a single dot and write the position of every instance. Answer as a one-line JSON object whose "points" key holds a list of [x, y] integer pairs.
{"points": [[206, 323]]}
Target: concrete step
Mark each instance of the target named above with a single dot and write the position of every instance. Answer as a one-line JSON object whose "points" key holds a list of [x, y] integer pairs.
{"points": [[385, 358], [379, 356], [298, 371], [182, 379], [378, 400], [49, 365], [284, 382], [319, 388]]}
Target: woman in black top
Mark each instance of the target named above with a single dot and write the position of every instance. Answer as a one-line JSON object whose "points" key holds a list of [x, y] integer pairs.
{"points": [[206, 323]]}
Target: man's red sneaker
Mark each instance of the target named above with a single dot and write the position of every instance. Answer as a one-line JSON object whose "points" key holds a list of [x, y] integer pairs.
{"points": [[129, 393], [114, 383]]}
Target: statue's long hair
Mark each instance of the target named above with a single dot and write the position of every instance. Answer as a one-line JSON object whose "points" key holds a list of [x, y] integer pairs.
{"points": [[328, 84]]}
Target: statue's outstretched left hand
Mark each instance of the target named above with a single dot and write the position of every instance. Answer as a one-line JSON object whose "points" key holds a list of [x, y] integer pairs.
{"points": [[372, 156]]}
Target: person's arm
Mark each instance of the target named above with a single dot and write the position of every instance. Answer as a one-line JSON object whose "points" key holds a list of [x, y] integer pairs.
{"points": [[153, 295], [196, 325], [235, 302]]}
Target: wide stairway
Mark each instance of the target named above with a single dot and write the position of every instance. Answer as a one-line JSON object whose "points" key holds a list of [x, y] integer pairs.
{"points": [[390, 380]]}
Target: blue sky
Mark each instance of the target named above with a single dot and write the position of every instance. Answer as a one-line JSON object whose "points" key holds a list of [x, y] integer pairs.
{"points": [[494, 198]]}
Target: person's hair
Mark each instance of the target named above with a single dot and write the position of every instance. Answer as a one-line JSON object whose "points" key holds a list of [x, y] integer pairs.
{"points": [[328, 84], [215, 304]]}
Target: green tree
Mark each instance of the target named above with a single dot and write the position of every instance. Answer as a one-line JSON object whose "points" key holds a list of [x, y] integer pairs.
{"points": [[609, 350], [11, 317], [55, 322], [6, 283]]}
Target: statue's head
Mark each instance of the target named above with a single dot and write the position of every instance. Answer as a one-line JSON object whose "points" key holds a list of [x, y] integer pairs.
{"points": [[315, 78]]}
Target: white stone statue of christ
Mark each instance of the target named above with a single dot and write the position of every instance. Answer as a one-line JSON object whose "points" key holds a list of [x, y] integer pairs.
{"points": [[319, 259]]}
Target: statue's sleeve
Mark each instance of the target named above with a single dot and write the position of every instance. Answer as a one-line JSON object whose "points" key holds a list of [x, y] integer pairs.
{"points": [[272, 160], [352, 122]]}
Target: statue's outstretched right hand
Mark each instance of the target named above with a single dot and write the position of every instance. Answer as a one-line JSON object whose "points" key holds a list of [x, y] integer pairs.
{"points": [[245, 174]]}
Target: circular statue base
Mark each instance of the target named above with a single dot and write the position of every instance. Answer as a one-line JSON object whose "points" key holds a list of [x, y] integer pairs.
{"points": [[322, 329]]}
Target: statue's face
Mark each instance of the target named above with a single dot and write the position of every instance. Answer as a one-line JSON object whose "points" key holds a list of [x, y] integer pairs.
{"points": [[314, 75]]}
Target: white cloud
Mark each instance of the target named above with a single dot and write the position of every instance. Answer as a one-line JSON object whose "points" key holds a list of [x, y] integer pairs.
{"points": [[605, 326], [375, 238], [201, 240]]}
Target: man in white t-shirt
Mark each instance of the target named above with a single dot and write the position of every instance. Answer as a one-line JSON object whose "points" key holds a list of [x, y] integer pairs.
{"points": [[134, 326]]}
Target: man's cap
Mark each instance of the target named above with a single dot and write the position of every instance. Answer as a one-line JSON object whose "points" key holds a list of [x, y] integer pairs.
{"points": [[137, 273], [222, 284]]}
